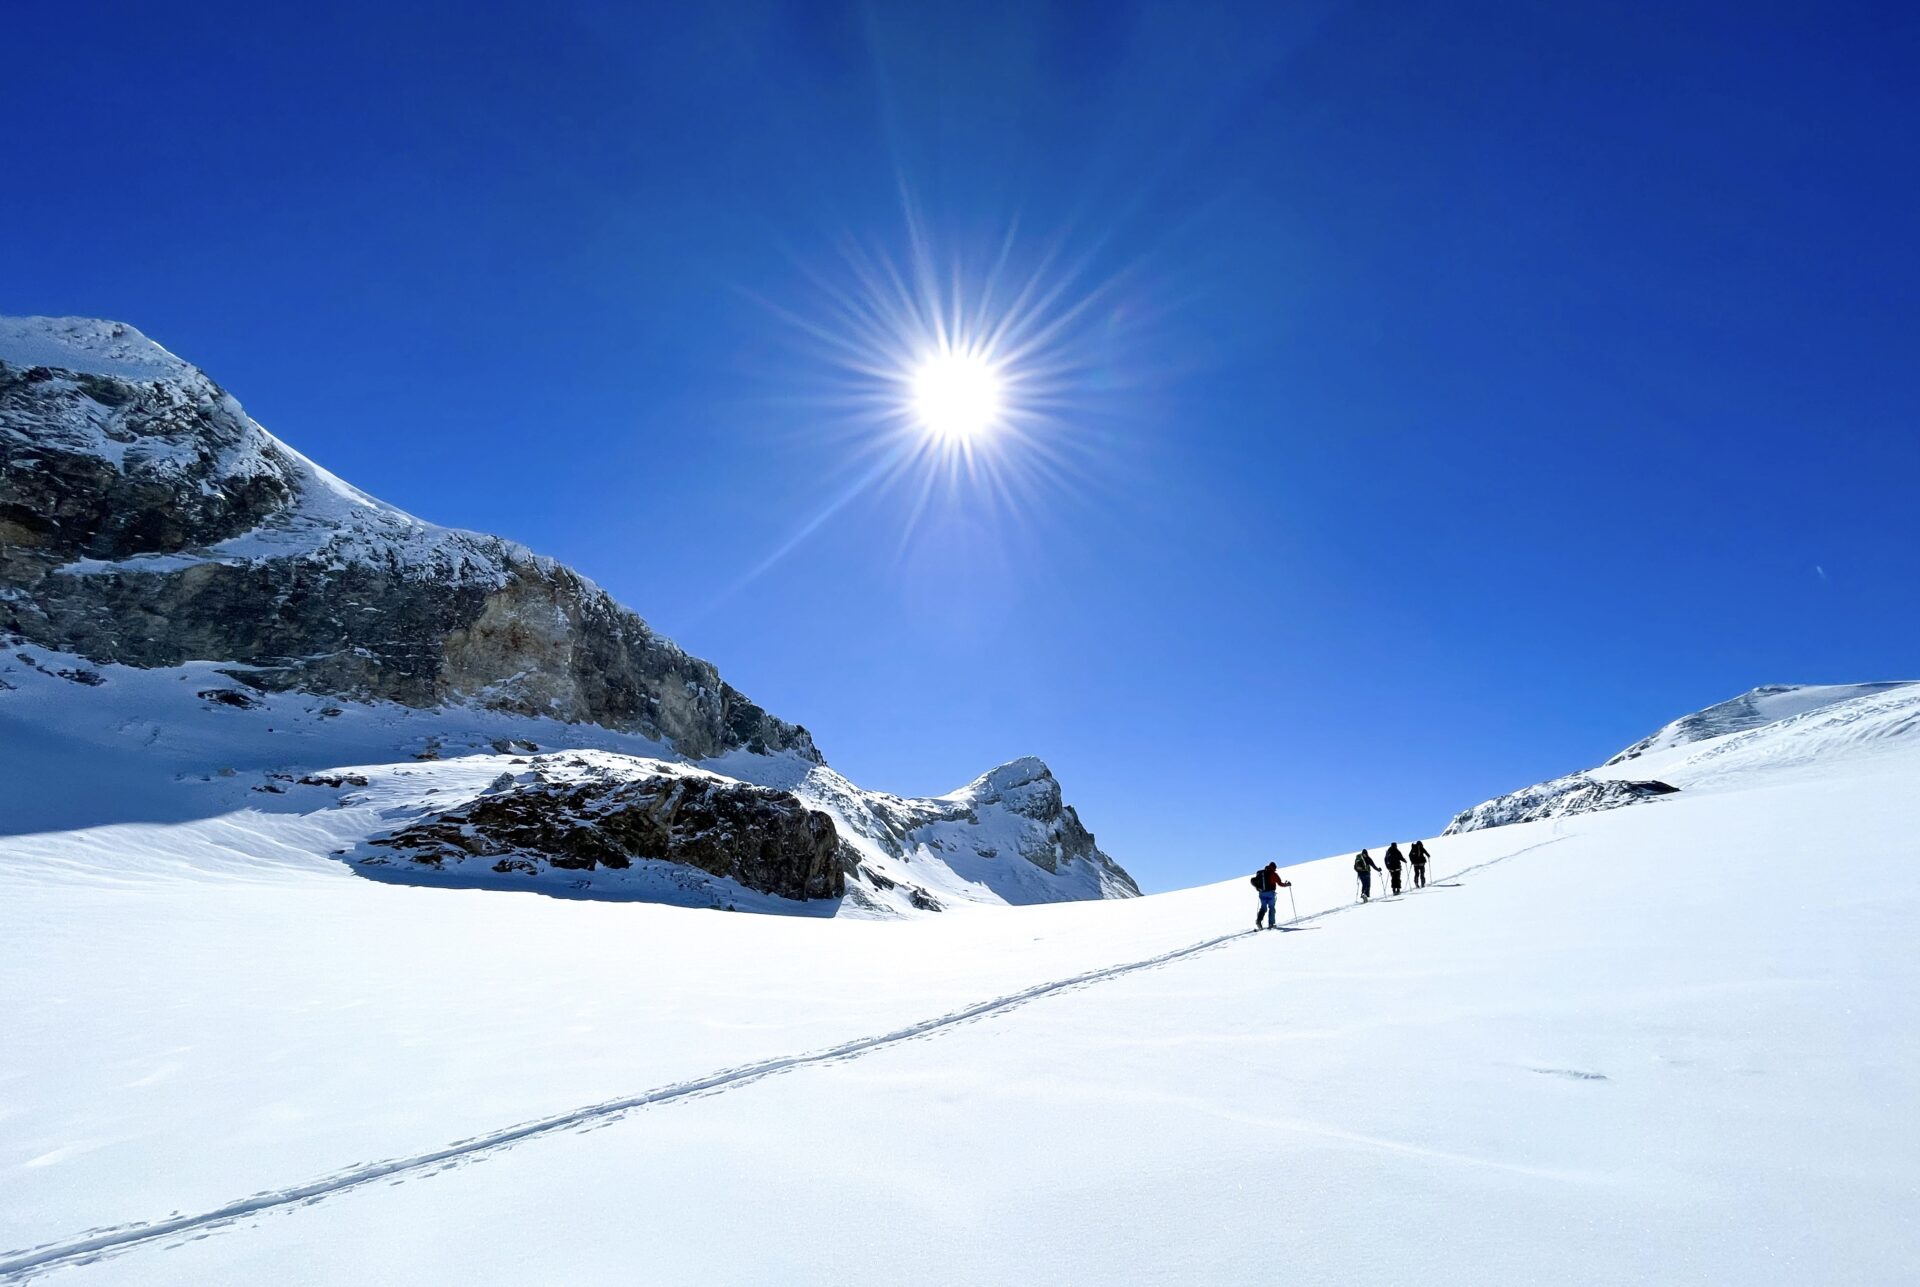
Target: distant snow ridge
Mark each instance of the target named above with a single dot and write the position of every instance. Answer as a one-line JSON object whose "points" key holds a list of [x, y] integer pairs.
{"points": [[147, 522], [1883, 717], [1777, 726], [1750, 710]]}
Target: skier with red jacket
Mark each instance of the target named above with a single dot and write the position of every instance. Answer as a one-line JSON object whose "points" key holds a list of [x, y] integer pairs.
{"points": [[1268, 881]]}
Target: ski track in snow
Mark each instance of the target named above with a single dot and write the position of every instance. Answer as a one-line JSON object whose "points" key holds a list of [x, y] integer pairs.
{"points": [[19, 1266]]}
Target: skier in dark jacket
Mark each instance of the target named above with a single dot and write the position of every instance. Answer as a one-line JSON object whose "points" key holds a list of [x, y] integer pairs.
{"points": [[1395, 860], [1418, 856], [1267, 880], [1364, 867]]}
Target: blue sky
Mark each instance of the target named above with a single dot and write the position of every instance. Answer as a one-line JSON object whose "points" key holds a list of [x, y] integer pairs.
{"points": [[1460, 392]]}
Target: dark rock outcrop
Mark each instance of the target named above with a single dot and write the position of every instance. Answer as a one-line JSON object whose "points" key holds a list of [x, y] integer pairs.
{"points": [[99, 467], [764, 839]]}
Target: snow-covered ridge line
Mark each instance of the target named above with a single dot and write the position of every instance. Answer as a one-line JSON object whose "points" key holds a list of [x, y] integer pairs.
{"points": [[1756, 708], [330, 511], [89, 346]]}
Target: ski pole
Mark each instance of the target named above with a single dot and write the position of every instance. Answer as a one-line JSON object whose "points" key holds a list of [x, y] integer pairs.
{"points": [[1291, 902]]}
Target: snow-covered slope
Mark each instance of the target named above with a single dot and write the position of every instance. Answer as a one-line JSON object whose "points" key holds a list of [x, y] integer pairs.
{"points": [[1872, 720], [1670, 1044], [1781, 722], [1750, 710]]}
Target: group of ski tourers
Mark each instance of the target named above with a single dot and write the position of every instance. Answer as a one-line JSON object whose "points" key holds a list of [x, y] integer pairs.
{"points": [[1269, 882], [1415, 857]]}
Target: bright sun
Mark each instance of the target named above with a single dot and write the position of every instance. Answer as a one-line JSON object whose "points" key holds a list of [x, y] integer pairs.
{"points": [[956, 396]]}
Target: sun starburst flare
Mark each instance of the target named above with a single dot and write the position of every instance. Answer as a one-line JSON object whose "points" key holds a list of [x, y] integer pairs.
{"points": [[975, 389]]}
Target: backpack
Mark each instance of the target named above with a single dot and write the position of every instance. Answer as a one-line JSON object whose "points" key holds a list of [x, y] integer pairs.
{"points": [[1256, 881]]}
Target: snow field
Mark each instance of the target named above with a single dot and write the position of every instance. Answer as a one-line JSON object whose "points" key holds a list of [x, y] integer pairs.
{"points": [[1669, 1044], [1675, 1042]]}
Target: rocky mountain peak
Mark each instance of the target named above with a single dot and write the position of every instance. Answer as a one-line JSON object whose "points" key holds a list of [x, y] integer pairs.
{"points": [[1014, 777], [146, 519]]}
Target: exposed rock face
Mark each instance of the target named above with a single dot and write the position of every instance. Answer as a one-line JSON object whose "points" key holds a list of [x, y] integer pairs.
{"points": [[1559, 798], [764, 839], [145, 519], [103, 468]]}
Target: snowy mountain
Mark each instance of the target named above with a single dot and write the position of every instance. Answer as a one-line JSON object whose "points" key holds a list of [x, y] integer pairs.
{"points": [[1750, 710], [1663, 1044], [1776, 720], [197, 617]]}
